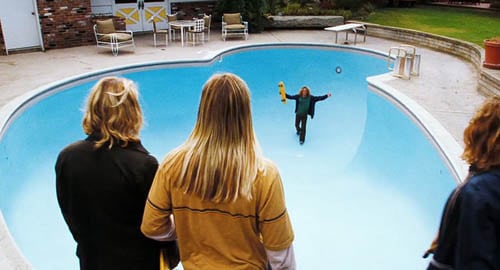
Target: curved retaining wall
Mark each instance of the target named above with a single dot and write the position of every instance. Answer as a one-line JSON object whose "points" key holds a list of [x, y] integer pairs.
{"points": [[489, 79]]}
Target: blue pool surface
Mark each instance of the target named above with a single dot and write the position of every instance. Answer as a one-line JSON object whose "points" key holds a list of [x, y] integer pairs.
{"points": [[365, 191]]}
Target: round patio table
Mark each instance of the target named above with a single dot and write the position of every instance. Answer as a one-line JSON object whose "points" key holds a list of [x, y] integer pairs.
{"points": [[181, 24]]}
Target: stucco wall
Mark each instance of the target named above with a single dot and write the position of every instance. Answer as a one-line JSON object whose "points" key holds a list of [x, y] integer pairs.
{"points": [[3, 50]]}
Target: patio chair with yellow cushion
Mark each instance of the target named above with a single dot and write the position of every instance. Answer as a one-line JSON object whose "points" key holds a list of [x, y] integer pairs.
{"points": [[208, 22], [233, 25], [159, 32], [108, 37]]}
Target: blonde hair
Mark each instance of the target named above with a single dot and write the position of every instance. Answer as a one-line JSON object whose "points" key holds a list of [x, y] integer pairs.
{"points": [[221, 158], [482, 137], [113, 112]]}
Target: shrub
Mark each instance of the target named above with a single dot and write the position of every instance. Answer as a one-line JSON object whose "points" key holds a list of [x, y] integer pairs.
{"points": [[327, 4], [251, 11], [295, 9], [495, 4], [365, 10], [349, 4]]}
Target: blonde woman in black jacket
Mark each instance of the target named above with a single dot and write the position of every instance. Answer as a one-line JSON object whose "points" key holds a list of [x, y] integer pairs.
{"points": [[103, 181]]}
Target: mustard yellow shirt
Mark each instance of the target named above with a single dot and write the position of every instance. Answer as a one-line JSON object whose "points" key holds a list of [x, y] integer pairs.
{"points": [[222, 236]]}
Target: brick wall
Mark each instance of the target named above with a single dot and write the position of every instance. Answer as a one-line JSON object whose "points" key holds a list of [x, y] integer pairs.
{"points": [[65, 23], [3, 50], [69, 23]]}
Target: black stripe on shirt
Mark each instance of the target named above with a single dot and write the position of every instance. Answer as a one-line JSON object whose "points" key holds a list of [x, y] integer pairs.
{"points": [[213, 210], [159, 208], [229, 213], [277, 217]]}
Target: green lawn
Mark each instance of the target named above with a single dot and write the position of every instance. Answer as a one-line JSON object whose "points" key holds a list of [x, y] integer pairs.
{"points": [[465, 24]]}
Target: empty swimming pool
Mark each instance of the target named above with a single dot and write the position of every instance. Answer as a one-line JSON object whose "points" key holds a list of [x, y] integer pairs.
{"points": [[365, 191]]}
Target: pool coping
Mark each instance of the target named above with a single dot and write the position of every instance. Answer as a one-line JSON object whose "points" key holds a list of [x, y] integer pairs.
{"points": [[448, 148]]}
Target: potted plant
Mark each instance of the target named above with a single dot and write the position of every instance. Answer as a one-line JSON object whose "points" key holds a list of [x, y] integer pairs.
{"points": [[492, 53]]}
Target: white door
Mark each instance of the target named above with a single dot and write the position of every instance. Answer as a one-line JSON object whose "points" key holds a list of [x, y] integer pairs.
{"points": [[139, 13], [20, 24]]}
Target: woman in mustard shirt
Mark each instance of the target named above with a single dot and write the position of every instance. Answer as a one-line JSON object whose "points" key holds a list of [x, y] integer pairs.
{"points": [[216, 192]]}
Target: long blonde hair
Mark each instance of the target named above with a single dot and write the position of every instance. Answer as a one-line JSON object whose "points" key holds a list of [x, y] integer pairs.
{"points": [[482, 137], [113, 112], [221, 158]]}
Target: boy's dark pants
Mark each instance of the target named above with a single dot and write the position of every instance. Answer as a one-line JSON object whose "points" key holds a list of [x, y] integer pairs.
{"points": [[300, 126]]}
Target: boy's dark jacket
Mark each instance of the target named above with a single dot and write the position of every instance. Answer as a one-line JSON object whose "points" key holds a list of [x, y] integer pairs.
{"points": [[469, 234], [314, 99]]}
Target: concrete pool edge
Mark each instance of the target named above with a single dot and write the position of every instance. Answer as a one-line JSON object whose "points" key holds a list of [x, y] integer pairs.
{"points": [[447, 146], [10, 255]]}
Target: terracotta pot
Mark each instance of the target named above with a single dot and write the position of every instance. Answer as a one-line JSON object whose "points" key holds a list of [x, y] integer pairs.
{"points": [[492, 53]]}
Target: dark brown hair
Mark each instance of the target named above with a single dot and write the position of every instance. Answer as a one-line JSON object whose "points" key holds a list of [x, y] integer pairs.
{"points": [[482, 137]]}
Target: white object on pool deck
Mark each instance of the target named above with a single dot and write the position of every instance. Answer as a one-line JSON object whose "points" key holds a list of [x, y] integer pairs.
{"points": [[355, 27]]}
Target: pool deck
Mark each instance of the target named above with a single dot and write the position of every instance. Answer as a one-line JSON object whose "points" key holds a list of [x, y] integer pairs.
{"points": [[446, 87]]}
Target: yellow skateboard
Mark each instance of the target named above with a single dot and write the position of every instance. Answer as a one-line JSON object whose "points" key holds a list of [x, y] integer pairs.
{"points": [[281, 86]]}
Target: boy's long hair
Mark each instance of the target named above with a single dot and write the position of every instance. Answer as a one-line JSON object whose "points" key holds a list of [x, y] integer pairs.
{"points": [[221, 158], [113, 112], [308, 91], [482, 137], [482, 142]]}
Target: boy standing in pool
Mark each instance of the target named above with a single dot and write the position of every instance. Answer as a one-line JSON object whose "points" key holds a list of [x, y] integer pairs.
{"points": [[304, 105]]}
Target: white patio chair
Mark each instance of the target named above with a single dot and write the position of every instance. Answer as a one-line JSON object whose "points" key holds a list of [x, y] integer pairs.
{"points": [[196, 31], [233, 24], [173, 29], [107, 36], [159, 32], [208, 22]]}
